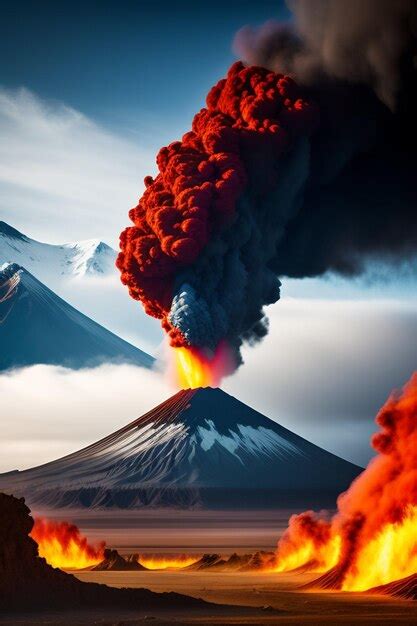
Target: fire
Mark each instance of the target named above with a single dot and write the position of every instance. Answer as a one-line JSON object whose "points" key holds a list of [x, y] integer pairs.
{"points": [[193, 368], [62, 545], [169, 561], [372, 539], [392, 553]]}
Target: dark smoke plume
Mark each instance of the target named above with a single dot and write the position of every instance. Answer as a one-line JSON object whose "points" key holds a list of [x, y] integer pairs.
{"points": [[357, 59], [283, 178]]}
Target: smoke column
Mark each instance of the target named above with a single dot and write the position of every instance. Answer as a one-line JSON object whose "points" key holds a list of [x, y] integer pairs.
{"points": [[207, 226], [282, 175]]}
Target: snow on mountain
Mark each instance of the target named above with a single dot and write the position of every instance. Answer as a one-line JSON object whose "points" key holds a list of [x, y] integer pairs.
{"points": [[36, 326], [83, 274], [200, 447], [47, 261]]}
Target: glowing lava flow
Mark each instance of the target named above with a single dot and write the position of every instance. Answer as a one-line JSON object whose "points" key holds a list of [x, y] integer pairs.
{"points": [[372, 539], [193, 369], [62, 545], [174, 561]]}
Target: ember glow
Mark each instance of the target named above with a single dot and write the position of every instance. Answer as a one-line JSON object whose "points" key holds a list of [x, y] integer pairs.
{"points": [[392, 554], [372, 539], [62, 545], [167, 561], [192, 368], [309, 543]]}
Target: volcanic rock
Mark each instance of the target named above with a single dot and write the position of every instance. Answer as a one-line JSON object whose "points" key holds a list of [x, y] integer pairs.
{"points": [[329, 580], [28, 582], [405, 588], [115, 562], [200, 448], [259, 560], [207, 561]]}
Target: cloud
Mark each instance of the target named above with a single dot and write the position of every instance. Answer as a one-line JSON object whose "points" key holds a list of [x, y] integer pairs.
{"points": [[59, 171], [325, 370], [49, 411], [328, 366]]}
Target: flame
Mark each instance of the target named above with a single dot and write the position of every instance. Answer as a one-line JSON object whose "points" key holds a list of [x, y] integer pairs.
{"points": [[170, 561], [62, 545], [311, 557], [390, 556], [193, 368], [372, 540]]}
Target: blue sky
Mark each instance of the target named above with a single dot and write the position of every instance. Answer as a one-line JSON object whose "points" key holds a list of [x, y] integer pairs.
{"points": [[140, 67]]}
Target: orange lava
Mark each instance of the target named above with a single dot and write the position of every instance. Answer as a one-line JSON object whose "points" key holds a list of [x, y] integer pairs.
{"points": [[62, 545], [192, 368], [372, 540], [390, 555], [167, 561]]}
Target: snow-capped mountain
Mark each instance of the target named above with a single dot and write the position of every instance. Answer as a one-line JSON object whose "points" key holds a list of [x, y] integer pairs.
{"points": [[36, 326], [70, 271], [47, 261], [200, 447]]}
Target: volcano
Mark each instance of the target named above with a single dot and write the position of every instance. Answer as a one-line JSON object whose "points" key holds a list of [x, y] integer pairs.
{"points": [[37, 326], [199, 448]]}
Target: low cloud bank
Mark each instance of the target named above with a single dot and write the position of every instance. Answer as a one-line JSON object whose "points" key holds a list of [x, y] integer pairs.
{"points": [[50, 411]]}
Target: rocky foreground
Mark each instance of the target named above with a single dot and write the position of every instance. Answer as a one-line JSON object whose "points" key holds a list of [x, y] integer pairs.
{"points": [[27, 582]]}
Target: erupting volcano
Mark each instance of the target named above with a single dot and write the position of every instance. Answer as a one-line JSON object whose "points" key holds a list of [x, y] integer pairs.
{"points": [[63, 546], [200, 448], [372, 539]]}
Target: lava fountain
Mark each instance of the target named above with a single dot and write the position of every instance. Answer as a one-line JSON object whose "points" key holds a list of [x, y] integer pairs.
{"points": [[193, 368], [62, 545]]}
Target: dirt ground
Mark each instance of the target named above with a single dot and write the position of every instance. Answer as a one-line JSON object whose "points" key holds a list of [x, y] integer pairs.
{"points": [[278, 591], [282, 603]]}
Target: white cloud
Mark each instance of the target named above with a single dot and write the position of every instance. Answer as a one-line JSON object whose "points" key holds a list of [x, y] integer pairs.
{"points": [[62, 175], [49, 411], [327, 366]]}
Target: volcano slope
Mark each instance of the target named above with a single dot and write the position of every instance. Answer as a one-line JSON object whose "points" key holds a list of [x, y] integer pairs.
{"points": [[36, 326], [199, 448]]}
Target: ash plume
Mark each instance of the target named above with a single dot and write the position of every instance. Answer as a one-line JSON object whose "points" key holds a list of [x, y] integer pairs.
{"points": [[282, 175], [358, 61]]}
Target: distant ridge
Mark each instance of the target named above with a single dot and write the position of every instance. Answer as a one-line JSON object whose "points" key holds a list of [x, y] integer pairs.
{"points": [[37, 326], [199, 448], [90, 257]]}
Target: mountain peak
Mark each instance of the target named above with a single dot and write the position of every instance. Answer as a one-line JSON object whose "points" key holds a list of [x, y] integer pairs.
{"points": [[13, 233], [37, 326], [90, 257], [199, 448]]}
